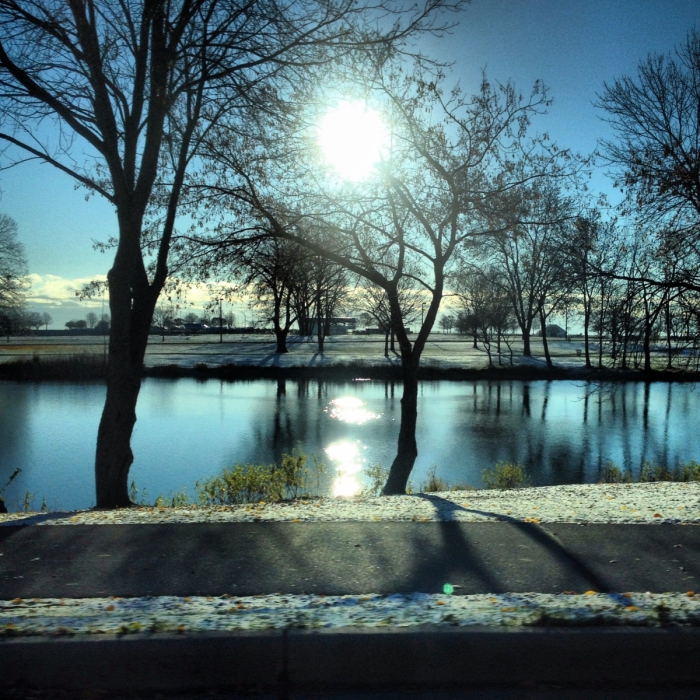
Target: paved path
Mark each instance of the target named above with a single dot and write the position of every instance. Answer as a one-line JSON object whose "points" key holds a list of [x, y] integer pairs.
{"points": [[345, 558]]}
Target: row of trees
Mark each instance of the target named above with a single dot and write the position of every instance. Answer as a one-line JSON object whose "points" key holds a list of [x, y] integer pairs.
{"points": [[205, 109], [601, 276]]}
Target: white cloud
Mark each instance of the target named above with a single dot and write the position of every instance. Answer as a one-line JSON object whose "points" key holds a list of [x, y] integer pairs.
{"points": [[53, 291]]}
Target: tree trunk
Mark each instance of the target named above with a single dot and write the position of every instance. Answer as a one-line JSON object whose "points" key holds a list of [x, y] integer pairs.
{"points": [[407, 449], [320, 326], [487, 345], [386, 344], [586, 324], [114, 456], [647, 346], [545, 344], [281, 337], [669, 346], [526, 343], [132, 307]]}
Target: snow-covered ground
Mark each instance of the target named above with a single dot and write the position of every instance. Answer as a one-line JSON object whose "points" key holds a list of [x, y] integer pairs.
{"points": [[229, 613], [585, 503], [594, 503]]}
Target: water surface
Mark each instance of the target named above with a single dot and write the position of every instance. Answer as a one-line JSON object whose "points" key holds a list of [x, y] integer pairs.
{"points": [[187, 430]]}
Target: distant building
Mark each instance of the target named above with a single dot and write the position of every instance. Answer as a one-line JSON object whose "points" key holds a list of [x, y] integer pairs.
{"points": [[339, 325], [555, 331]]}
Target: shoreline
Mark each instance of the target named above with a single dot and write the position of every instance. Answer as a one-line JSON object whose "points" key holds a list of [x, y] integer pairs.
{"points": [[657, 503], [93, 368]]}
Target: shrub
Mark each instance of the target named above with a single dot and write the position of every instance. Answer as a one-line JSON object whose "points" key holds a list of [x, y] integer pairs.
{"points": [[77, 367], [654, 472], [251, 483], [434, 482], [377, 475], [177, 500], [242, 484], [610, 473], [506, 476], [690, 471]]}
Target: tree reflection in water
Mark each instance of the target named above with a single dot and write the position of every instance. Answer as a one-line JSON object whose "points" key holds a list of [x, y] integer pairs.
{"points": [[560, 431]]}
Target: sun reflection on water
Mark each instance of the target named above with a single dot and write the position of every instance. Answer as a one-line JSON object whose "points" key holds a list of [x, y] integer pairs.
{"points": [[350, 409], [347, 459]]}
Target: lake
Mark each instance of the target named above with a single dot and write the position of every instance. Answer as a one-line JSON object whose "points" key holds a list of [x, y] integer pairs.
{"points": [[187, 430]]}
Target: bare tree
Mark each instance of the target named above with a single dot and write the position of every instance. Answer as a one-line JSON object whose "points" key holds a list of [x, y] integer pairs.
{"points": [[487, 311], [656, 154], [163, 315], [453, 160], [447, 323], [655, 119], [47, 320], [529, 258], [134, 87], [270, 269], [372, 303], [13, 267], [34, 320], [91, 319], [591, 252]]}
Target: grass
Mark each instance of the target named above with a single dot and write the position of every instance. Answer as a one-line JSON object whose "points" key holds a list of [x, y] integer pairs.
{"points": [[249, 483], [506, 475], [610, 473], [75, 367], [292, 479]]}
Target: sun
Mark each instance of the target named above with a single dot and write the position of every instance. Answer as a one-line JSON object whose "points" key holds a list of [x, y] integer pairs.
{"points": [[353, 139]]}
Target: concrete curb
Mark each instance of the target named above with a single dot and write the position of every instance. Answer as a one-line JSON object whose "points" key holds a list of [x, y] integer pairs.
{"points": [[355, 658]]}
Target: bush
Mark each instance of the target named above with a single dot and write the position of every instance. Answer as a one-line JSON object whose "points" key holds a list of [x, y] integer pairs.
{"points": [[377, 475], [251, 483], [610, 473], [690, 471], [506, 476], [76, 367], [242, 484], [654, 472], [178, 500], [434, 482]]}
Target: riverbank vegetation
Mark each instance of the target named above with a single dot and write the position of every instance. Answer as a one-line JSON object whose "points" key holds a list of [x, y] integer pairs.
{"points": [[80, 367], [295, 478]]}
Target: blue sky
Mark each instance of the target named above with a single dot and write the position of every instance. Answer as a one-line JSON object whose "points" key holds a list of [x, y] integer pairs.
{"points": [[573, 46]]}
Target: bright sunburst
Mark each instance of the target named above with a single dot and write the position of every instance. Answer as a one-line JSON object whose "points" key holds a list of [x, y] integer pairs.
{"points": [[352, 138]]}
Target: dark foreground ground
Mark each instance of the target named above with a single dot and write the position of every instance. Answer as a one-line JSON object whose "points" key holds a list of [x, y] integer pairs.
{"points": [[345, 558], [391, 664]]}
